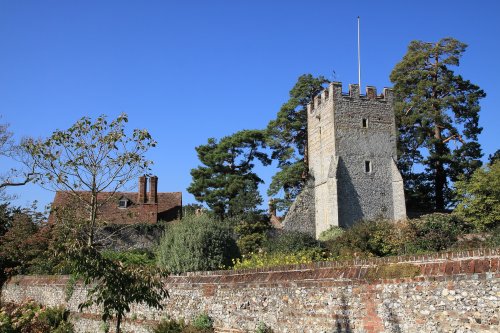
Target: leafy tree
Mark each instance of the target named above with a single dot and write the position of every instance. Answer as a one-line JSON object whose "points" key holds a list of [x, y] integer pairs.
{"points": [[198, 243], [91, 161], [287, 137], [88, 159], [24, 246], [437, 113], [10, 150], [5, 218], [225, 181], [115, 286], [479, 197]]}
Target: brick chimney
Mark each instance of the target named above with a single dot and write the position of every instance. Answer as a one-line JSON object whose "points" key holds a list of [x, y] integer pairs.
{"points": [[141, 197], [153, 189]]}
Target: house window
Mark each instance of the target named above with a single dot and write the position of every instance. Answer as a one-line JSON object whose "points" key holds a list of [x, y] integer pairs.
{"points": [[123, 203], [364, 123], [368, 166]]}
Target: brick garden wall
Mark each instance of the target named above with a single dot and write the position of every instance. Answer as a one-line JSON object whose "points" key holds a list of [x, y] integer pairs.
{"points": [[447, 292]]}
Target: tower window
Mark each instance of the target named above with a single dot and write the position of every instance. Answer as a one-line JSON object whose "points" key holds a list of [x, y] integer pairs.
{"points": [[368, 166], [364, 123]]}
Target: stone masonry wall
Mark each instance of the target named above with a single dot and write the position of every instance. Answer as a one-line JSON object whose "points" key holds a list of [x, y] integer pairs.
{"points": [[351, 153], [321, 149], [364, 195], [301, 215], [448, 292]]}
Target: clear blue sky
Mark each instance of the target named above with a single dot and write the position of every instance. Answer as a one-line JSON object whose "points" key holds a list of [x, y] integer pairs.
{"points": [[189, 70]]}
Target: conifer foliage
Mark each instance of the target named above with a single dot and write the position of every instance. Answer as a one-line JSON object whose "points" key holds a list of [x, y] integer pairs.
{"points": [[437, 114], [226, 181], [287, 137]]}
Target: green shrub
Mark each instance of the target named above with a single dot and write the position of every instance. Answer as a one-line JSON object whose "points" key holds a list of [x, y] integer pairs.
{"points": [[263, 328], [54, 316], [64, 327], [5, 322], [366, 238], [105, 326], [290, 242], [197, 243], [435, 232], [331, 233], [32, 317], [430, 233], [203, 322], [494, 239], [174, 326], [251, 234], [131, 258], [263, 260], [169, 326], [479, 197], [251, 243]]}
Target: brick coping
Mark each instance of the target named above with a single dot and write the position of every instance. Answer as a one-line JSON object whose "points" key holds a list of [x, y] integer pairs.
{"points": [[422, 258], [433, 266]]}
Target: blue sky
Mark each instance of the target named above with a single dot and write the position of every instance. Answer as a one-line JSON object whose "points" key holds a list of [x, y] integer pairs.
{"points": [[190, 70]]}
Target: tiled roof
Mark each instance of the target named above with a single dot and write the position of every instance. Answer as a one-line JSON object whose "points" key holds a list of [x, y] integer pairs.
{"points": [[168, 207]]}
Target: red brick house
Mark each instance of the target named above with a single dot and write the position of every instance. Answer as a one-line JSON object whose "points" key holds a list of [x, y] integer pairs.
{"points": [[130, 207]]}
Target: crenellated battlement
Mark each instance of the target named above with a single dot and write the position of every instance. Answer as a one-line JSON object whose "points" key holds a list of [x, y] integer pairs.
{"points": [[351, 141], [335, 90]]}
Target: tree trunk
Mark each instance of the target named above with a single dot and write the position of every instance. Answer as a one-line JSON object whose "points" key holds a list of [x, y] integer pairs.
{"points": [[439, 146], [93, 212], [93, 216], [118, 322], [440, 174]]}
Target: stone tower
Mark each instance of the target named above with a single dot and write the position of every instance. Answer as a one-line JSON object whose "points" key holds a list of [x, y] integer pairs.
{"points": [[352, 153]]}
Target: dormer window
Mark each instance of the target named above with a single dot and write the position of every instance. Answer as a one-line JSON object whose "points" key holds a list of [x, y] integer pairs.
{"points": [[123, 203]]}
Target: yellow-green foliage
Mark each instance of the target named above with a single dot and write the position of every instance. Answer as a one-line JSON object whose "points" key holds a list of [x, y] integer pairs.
{"points": [[331, 233], [479, 197], [394, 271], [180, 326], [262, 260]]}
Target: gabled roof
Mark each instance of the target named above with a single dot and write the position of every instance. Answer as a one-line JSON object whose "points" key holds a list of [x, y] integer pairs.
{"points": [[167, 208]]}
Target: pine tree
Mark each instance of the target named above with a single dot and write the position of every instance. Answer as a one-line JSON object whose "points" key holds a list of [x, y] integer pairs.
{"points": [[287, 137], [225, 181], [437, 113]]}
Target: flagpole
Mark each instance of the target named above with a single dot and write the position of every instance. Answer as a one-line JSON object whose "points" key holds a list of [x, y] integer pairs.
{"points": [[359, 61]]}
